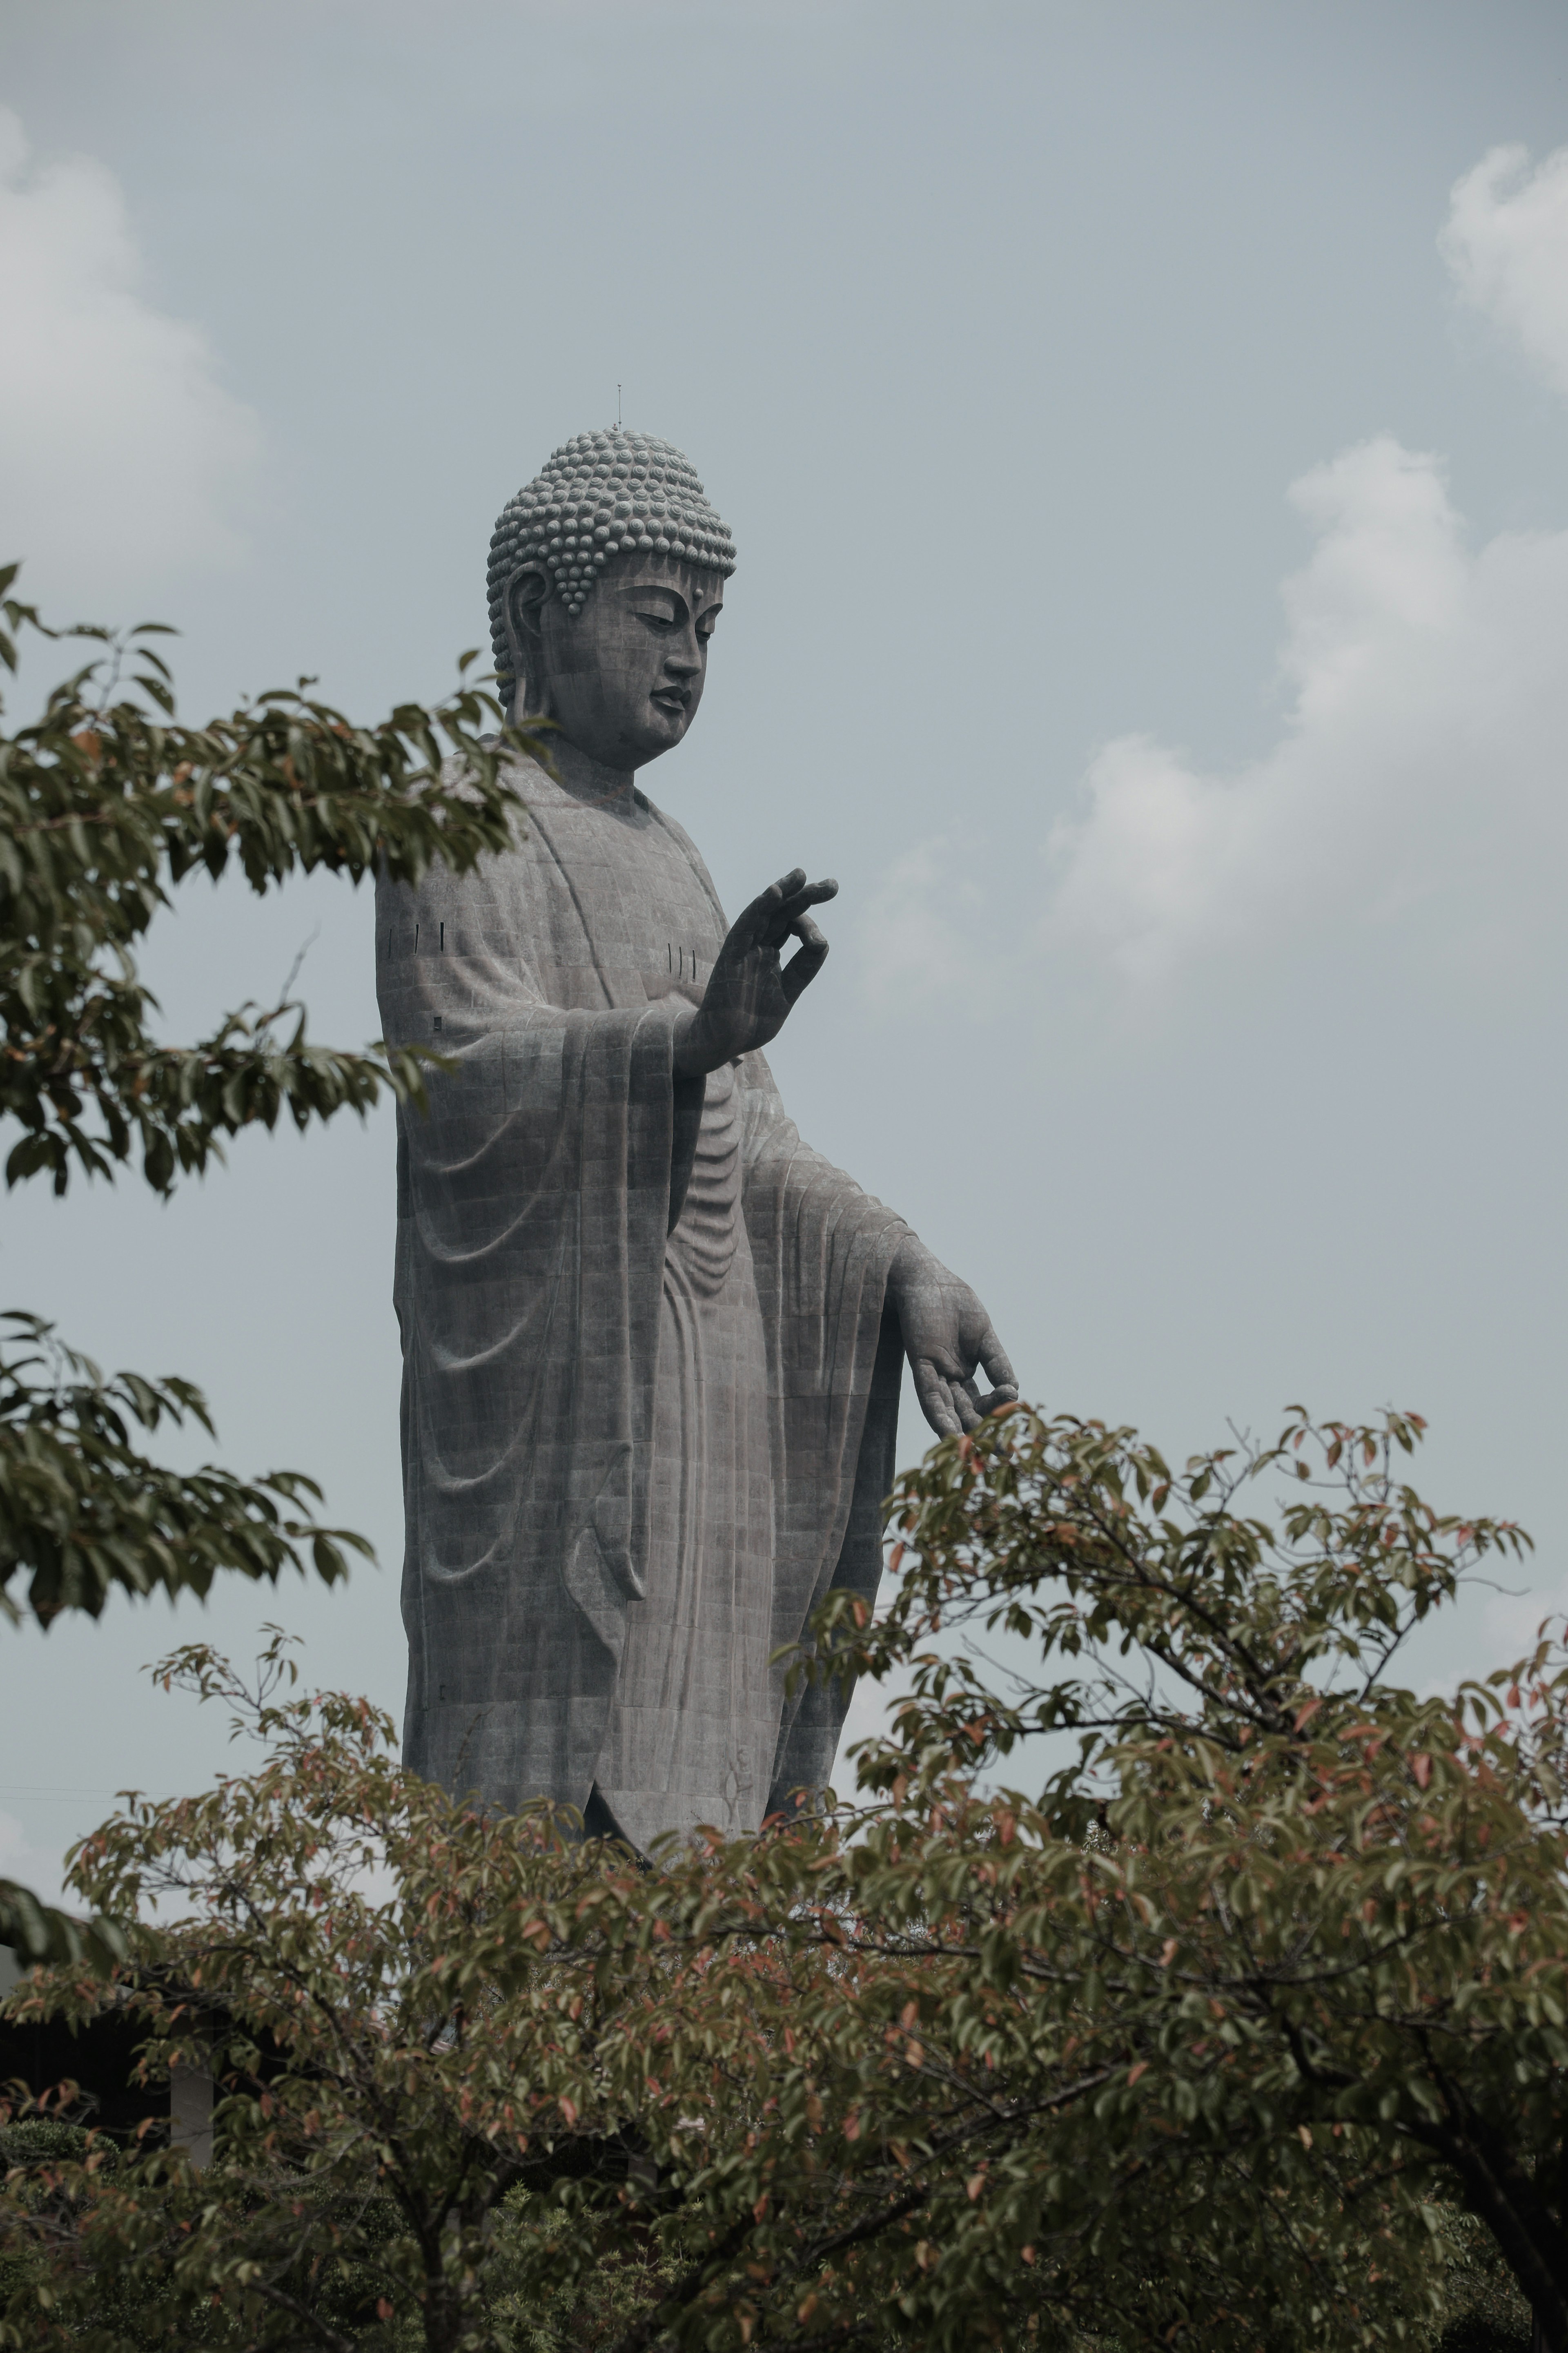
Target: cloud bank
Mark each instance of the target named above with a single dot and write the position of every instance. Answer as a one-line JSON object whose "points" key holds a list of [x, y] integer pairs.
{"points": [[1423, 756], [915, 934], [1506, 243], [122, 456]]}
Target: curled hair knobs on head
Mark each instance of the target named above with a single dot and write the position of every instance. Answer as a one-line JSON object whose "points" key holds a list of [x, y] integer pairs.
{"points": [[601, 494]]}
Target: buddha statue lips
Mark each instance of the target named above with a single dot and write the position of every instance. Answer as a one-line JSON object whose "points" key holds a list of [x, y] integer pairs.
{"points": [[652, 1341]]}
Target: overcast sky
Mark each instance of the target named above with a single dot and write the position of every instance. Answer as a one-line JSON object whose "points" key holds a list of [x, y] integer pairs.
{"points": [[1144, 425]]}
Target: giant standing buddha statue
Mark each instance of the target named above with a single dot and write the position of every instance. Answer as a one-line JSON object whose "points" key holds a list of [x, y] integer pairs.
{"points": [[652, 1342]]}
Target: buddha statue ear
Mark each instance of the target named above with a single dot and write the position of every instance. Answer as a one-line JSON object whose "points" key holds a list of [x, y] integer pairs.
{"points": [[525, 593]]}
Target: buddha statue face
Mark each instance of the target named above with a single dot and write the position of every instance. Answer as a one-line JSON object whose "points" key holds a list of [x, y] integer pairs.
{"points": [[623, 676]]}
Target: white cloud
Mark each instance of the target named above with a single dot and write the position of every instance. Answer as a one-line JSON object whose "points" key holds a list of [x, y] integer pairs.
{"points": [[120, 454], [1506, 242], [1425, 739], [913, 934], [1424, 761]]}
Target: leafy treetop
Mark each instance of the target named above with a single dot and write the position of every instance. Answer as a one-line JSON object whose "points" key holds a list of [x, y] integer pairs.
{"points": [[107, 802], [1230, 2019], [108, 799]]}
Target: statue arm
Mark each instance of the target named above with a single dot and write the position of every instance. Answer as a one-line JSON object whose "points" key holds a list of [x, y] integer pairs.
{"points": [[946, 1334]]}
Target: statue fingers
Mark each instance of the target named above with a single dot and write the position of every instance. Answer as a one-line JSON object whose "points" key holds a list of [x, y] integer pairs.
{"points": [[808, 960], [790, 910], [995, 1400], [996, 1365], [760, 921], [966, 1403], [935, 1398]]}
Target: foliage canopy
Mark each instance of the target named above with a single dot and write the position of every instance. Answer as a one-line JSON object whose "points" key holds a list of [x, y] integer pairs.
{"points": [[106, 803], [1229, 2023]]}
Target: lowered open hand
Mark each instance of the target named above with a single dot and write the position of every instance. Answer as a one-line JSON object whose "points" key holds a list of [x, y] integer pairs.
{"points": [[748, 997], [947, 1336]]}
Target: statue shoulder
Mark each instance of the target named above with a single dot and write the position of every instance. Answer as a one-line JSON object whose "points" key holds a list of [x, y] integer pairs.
{"points": [[498, 875], [527, 775]]}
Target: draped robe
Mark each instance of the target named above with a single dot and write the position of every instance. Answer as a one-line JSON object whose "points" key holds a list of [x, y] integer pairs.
{"points": [[650, 1383]]}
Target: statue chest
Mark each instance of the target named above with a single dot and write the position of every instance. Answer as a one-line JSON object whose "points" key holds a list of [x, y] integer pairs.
{"points": [[632, 898]]}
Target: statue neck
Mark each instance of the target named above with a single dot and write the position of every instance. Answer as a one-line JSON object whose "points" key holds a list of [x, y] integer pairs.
{"points": [[587, 779]]}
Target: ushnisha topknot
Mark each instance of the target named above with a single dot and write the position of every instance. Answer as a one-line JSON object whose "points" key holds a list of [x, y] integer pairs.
{"points": [[600, 495]]}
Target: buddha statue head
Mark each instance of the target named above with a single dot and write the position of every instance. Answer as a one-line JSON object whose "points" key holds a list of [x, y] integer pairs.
{"points": [[606, 576]]}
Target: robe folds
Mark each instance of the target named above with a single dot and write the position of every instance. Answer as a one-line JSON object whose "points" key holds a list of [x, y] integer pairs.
{"points": [[650, 1383]]}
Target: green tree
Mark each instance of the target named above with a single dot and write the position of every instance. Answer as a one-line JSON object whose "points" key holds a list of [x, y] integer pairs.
{"points": [[484, 2086], [1296, 1902], [106, 803], [1219, 2037]]}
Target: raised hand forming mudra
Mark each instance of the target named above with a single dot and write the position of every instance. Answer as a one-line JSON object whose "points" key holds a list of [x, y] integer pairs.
{"points": [[748, 997], [947, 1335]]}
